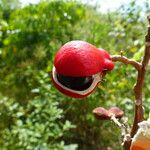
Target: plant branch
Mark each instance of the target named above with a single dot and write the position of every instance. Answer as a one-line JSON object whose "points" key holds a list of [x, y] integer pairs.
{"points": [[126, 60], [141, 68], [119, 124], [124, 130], [139, 84]]}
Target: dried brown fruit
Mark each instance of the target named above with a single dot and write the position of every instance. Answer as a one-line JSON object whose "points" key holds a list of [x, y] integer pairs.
{"points": [[117, 112], [104, 114], [101, 113]]}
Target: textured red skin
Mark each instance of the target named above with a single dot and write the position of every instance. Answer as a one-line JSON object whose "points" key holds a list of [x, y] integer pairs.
{"points": [[79, 58], [108, 64], [105, 53], [71, 94]]}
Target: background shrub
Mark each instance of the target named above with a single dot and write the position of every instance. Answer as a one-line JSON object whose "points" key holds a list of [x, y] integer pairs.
{"points": [[36, 116]]}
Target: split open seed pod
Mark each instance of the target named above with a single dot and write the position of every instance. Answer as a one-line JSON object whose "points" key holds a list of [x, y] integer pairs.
{"points": [[78, 68]]}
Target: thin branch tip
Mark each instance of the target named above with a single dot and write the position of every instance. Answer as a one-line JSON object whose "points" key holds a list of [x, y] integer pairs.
{"points": [[126, 60]]}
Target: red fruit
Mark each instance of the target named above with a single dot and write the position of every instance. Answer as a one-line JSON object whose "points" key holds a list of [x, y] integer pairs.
{"points": [[77, 62], [78, 58]]}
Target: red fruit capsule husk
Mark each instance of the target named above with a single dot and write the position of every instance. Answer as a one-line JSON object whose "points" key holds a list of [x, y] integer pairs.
{"points": [[80, 59], [69, 93]]}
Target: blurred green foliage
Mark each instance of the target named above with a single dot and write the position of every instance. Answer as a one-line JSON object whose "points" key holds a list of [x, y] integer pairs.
{"points": [[33, 114]]}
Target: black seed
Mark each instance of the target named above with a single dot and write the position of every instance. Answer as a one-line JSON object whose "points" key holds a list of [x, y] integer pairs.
{"points": [[75, 83]]}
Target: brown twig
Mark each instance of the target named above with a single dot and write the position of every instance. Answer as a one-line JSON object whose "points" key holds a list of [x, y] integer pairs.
{"points": [[139, 84], [120, 125], [126, 60], [124, 129], [141, 68]]}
